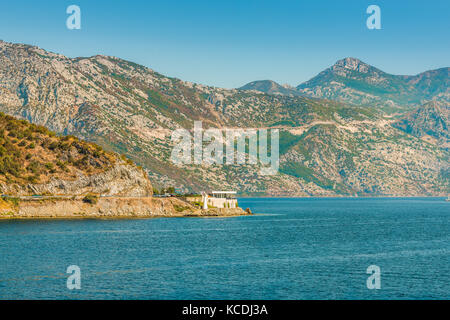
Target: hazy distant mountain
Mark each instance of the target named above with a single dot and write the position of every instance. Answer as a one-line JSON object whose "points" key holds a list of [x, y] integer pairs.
{"points": [[270, 87], [326, 147], [352, 81]]}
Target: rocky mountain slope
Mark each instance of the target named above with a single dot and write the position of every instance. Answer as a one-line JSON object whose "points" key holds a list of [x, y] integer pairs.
{"points": [[270, 87], [352, 81], [326, 147], [430, 121], [33, 160]]}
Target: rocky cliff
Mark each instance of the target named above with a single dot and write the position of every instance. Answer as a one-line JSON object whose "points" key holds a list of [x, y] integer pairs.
{"points": [[33, 160], [122, 179]]}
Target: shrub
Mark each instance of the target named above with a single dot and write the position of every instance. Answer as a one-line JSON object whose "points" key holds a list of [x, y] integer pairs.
{"points": [[33, 179], [179, 208], [53, 145], [33, 167], [91, 199], [61, 164]]}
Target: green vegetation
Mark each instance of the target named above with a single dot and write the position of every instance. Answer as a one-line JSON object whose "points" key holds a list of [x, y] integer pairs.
{"points": [[163, 191], [287, 140], [31, 153], [179, 208], [11, 201], [300, 171], [91, 199]]}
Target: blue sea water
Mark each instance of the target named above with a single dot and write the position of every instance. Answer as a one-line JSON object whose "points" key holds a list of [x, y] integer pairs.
{"points": [[292, 249]]}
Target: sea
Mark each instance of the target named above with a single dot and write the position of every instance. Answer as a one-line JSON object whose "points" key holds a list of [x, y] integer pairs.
{"points": [[291, 248]]}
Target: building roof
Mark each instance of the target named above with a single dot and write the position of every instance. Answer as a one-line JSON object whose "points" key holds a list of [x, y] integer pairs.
{"points": [[224, 192]]}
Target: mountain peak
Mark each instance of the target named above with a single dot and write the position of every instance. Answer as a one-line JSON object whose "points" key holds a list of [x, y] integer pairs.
{"points": [[260, 85], [350, 63]]}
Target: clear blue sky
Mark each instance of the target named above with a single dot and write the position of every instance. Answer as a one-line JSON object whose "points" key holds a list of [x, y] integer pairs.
{"points": [[228, 43]]}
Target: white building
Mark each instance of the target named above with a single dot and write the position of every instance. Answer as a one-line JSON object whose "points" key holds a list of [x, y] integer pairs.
{"points": [[220, 199]]}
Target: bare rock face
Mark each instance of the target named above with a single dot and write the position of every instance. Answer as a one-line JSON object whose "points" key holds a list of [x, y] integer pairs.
{"points": [[121, 180]]}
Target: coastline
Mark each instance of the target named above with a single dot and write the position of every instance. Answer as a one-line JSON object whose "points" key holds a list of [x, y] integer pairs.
{"points": [[111, 208], [108, 208], [120, 217]]}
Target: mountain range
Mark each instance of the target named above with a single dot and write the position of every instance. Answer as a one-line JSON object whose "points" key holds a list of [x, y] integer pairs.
{"points": [[352, 81], [352, 130]]}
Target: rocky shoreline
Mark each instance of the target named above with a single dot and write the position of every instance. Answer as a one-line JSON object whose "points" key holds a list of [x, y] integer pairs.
{"points": [[108, 208]]}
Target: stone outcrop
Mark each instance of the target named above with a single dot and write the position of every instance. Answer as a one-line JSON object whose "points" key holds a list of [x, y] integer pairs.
{"points": [[121, 180]]}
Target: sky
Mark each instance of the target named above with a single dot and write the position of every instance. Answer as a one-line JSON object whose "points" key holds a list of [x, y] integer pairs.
{"points": [[229, 43]]}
